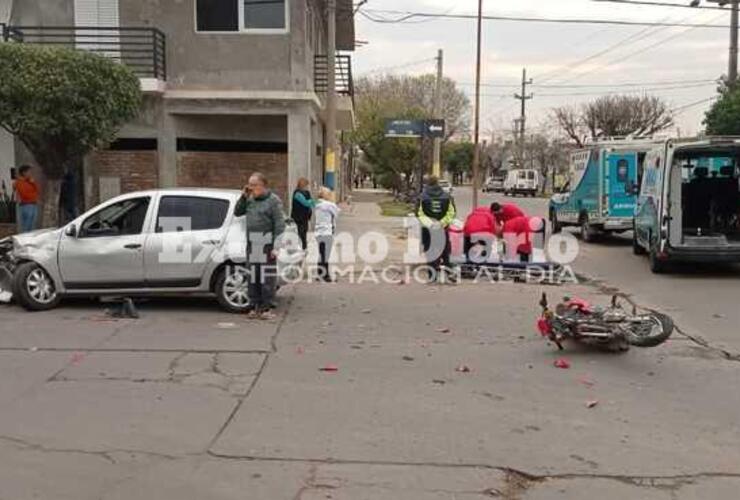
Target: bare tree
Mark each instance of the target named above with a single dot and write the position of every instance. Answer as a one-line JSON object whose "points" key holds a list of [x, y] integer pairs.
{"points": [[547, 155], [614, 116]]}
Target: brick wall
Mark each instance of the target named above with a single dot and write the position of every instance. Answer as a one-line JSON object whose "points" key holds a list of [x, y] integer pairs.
{"points": [[137, 170], [232, 170]]}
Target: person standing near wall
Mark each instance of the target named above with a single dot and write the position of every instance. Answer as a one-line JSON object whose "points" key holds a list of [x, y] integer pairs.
{"points": [[68, 197], [27, 192], [265, 224], [302, 209], [326, 225]]}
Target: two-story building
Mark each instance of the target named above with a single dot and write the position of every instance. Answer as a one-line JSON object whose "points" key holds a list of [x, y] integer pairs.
{"points": [[231, 86]]}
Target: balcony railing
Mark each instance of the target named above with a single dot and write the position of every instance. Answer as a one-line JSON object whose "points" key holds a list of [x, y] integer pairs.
{"points": [[344, 82], [144, 50]]}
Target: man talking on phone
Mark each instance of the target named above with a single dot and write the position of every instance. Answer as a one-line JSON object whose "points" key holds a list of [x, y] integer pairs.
{"points": [[265, 224]]}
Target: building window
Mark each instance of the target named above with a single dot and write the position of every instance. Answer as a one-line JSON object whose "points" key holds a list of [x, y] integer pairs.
{"points": [[233, 16], [217, 15]]}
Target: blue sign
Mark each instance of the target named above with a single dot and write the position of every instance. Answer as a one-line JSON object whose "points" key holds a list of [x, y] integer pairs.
{"points": [[404, 128]]}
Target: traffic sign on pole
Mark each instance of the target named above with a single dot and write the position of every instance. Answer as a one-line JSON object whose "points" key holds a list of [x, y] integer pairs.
{"points": [[404, 128], [434, 129]]}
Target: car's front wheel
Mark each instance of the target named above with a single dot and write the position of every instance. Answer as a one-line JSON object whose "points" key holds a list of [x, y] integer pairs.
{"points": [[232, 287], [34, 288]]}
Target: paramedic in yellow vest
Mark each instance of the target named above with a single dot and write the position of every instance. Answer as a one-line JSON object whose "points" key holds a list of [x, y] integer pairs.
{"points": [[436, 211]]}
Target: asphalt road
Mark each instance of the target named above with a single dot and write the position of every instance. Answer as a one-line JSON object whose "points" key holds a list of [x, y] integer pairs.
{"points": [[702, 299]]}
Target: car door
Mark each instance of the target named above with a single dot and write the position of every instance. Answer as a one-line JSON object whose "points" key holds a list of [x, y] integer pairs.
{"points": [[106, 249], [188, 230], [622, 169]]}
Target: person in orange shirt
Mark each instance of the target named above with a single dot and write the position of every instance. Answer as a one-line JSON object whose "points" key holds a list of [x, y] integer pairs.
{"points": [[28, 198]]}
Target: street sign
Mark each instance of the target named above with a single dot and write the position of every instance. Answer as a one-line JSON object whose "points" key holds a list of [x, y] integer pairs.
{"points": [[404, 128], [434, 129]]}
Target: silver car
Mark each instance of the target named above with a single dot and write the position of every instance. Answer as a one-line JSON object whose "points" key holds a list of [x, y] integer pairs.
{"points": [[162, 242]]}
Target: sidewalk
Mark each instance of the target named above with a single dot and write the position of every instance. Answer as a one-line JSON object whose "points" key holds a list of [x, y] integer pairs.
{"points": [[364, 215]]}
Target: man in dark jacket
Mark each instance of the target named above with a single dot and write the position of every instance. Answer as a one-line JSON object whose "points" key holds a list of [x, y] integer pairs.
{"points": [[265, 224], [436, 211]]}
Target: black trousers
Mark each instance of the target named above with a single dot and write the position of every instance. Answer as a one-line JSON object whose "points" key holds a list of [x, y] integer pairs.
{"points": [[426, 244], [302, 227], [325, 247]]}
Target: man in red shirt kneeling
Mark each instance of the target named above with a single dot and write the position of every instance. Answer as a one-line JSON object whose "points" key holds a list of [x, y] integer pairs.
{"points": [[480, 228], [517, 234]]}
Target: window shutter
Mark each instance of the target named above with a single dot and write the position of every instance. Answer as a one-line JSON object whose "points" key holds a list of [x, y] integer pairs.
{"points": [[96, 13]]}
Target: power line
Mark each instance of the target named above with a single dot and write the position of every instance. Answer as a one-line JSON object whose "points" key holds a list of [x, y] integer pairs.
{"points": [[680, 109], [399, 66], [594, 85], [408, 15], [632, 54], [661, 4], [612, 92]]}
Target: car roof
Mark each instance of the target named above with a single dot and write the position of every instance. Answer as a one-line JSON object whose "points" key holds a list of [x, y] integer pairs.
{"points": [[186, 191]]}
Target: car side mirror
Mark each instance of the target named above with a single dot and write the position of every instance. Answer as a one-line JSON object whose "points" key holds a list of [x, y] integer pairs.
{"points": [[71, 231]]}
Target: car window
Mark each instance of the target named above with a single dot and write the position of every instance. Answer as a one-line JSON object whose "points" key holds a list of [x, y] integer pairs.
{"points": [[190, 213], [119, 219]]}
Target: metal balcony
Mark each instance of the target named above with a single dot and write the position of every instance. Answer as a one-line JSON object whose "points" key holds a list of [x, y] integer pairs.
{"points": [[144, 50], [344, 82]]}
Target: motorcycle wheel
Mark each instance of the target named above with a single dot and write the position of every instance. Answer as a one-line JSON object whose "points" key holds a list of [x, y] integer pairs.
{"points": [[650, 332]]}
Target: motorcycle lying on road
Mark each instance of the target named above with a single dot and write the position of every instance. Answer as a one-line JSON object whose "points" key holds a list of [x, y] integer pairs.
{"points": [[612, 328]]}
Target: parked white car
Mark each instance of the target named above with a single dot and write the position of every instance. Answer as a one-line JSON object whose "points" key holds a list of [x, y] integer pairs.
{"points": [[175, 241]]}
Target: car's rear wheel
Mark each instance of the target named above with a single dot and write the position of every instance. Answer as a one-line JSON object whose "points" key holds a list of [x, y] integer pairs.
{"points": [[556, 226], [588, 233], [34, 288], [636, 247], [232, 287]]}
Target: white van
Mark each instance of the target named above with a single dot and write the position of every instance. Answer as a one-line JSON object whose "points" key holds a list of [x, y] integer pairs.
{"points": [[689, 204], [522, 181]]}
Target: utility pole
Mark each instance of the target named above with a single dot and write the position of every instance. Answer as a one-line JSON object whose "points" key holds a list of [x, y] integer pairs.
{"points": [[732, 72], [732, 67], [523, 118], [437, 165], [476, 132], [330, 165]]}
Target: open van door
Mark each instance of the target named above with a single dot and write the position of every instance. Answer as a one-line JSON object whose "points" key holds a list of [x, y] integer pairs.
{"points": [[621, 184]]}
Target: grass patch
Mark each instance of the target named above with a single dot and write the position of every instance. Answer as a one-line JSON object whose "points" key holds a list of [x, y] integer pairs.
{"points": [[393, 208]]}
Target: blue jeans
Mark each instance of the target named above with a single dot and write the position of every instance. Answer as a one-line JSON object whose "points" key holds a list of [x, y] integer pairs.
{"points": [[28, 212]]}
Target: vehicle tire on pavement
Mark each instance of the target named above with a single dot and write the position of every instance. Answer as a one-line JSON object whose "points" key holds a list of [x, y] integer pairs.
{"points": [[652, 333], [636, 247], [555, 223], [34, 289], [231, 289], [657, 266], [588, 234]]}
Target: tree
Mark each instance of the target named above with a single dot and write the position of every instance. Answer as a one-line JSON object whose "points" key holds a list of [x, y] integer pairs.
{"points": [[723, 118], [395, 162], [547, 155], [614, 116], [458, 159], [62, 104]]}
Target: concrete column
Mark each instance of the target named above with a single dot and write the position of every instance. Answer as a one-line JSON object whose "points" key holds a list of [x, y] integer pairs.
{"points": [[167, 148], [300, 148]]}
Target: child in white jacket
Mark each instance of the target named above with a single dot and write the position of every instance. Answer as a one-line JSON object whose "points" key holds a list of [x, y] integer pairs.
{"points": [[326, 213]]}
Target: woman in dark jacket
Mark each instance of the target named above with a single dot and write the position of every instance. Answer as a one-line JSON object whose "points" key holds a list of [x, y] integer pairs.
{"points": [[302, 209]]}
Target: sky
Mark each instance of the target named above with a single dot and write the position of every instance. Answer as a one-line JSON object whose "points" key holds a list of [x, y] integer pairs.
{"points": [[683, 61]]}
